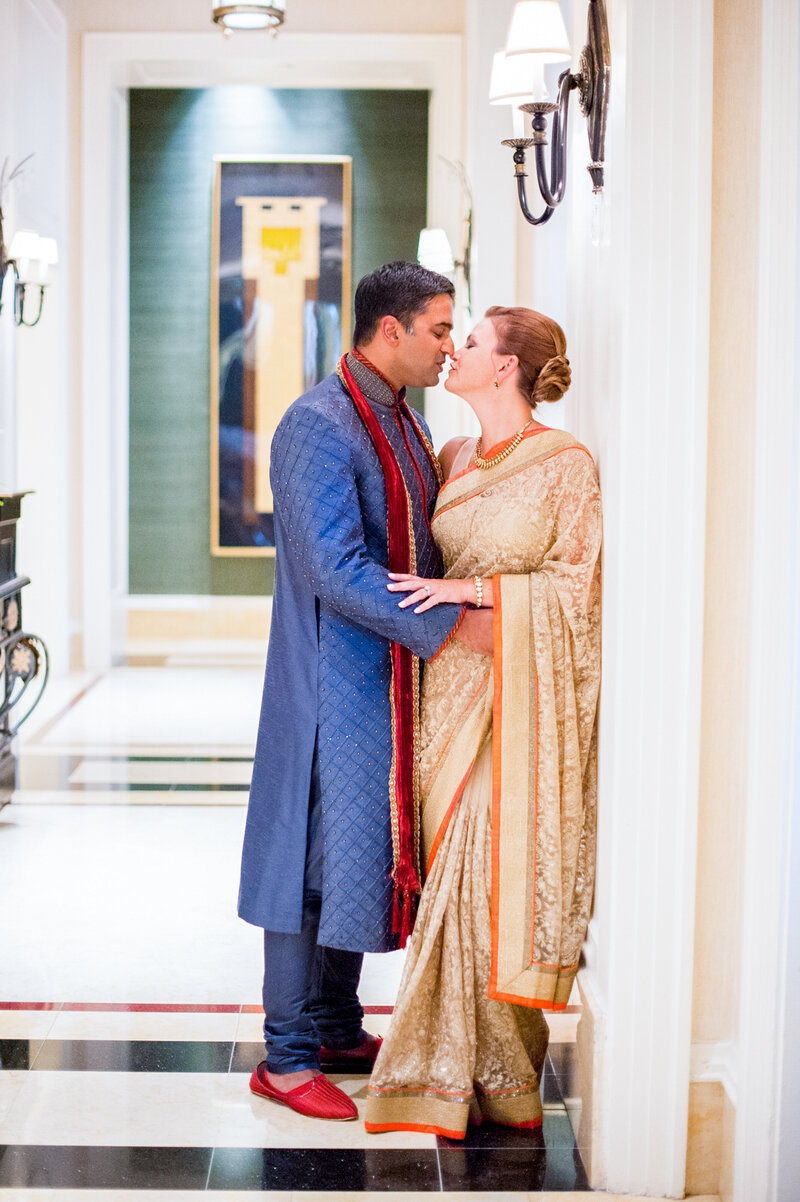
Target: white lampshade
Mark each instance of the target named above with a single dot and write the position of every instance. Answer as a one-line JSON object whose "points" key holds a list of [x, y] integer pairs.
{"points": [[537, 27], [48, 258], [25, 250], [253, 14], [48, 250], [517, 79], [24, 245], [434, 251]]}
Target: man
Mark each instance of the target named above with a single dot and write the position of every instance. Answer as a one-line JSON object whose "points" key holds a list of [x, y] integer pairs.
{"points": [[329, 866]]}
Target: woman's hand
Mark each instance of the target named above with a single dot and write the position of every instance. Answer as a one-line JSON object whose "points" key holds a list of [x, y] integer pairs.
{"points": [[424, 594]]}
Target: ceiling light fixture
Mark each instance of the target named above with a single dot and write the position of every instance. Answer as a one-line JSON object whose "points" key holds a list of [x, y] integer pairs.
{"points": [[255, 14]]}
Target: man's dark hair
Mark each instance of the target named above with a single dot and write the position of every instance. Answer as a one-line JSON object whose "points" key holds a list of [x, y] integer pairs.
{"points": [[400, 290]]}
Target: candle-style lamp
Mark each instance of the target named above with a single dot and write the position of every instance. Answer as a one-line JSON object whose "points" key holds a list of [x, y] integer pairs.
{"points": [[517, 80]]}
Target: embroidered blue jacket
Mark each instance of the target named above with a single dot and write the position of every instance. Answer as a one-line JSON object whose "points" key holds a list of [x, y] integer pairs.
{"points": [[328, 667]]}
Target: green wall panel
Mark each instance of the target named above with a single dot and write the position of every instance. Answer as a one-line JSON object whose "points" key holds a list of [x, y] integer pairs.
{"points": [[174, 135]]}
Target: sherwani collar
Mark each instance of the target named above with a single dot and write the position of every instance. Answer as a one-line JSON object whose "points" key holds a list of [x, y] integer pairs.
{"points": [[372, 383]]}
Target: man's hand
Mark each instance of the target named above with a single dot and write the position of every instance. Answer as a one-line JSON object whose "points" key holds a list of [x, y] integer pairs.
{"points": [[475, 631]]}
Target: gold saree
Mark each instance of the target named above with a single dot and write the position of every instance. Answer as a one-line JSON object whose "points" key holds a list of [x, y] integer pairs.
{"points": [[508, 772]]}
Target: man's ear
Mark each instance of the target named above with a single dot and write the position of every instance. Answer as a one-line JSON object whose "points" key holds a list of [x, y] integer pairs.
{"points": [[390, 330]]}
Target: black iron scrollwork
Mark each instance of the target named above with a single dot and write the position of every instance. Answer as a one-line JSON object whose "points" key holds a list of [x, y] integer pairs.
{"points": [[24, 666]]}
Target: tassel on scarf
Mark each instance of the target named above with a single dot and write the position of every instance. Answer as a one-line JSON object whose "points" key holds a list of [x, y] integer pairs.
{"points": [[404, 913]]}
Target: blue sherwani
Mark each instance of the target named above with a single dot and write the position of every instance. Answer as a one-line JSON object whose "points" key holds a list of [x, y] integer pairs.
{"points": [[328, 666]]}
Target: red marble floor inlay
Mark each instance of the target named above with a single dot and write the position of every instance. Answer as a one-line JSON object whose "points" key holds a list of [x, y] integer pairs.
{"points": [[30, 1005], [154, 1008], [178, 1008]]}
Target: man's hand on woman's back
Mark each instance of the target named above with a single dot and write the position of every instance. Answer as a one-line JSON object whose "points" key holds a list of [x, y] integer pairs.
{"points": [[475, 631]]}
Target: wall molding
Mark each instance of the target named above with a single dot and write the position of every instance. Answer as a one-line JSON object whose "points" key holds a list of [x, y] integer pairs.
{"points": [[196, 602], [717, 1061], [591, 1041]]}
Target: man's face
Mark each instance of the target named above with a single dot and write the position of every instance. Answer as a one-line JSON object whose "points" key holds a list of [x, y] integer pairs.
{"points": [[421, 354]]}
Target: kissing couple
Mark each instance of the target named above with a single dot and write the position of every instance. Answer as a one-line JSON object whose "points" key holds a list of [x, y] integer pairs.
{"points": [[425, 770]]}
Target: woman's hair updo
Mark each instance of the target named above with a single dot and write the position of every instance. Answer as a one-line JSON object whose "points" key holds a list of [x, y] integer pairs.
{"points": [[539, 344]]}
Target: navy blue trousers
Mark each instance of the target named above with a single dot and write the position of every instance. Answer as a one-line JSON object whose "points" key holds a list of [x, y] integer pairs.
{"points": [[310, 992]]}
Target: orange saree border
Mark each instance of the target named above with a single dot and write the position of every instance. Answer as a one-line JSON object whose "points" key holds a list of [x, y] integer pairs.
{"points": [[446, 782], [497, 776], [440, 834], [515, 976]]}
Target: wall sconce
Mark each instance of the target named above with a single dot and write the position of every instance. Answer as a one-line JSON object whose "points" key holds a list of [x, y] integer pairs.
{"points": [[32, 260], [255, 14], [435, 253], [537, 32]]}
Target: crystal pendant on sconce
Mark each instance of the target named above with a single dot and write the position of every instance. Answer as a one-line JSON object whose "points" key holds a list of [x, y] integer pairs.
{"points": [[601, 219]]}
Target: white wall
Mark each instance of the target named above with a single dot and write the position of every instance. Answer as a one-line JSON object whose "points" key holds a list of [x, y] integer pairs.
{"points": [[490, 173], [506, 270], [8, 357], [33, 378]]}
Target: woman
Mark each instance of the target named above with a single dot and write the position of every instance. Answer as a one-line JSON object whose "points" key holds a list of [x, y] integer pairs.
{"points": [[508, 758]]}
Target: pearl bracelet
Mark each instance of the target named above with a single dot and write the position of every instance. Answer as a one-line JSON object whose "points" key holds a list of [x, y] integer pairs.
{"points": [[476, 580]]}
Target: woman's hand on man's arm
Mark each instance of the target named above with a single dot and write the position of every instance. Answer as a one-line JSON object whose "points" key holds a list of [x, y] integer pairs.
{"points": [[426, 593]]}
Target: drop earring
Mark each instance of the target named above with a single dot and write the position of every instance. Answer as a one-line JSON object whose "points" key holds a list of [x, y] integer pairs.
{"points": [[496, 382]]}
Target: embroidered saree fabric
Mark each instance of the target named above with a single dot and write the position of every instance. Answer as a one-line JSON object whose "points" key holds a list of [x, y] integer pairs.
{"points": [[508, 770]]}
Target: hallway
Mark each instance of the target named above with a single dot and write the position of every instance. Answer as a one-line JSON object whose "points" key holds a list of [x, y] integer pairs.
{"points": [[130, 1017]]}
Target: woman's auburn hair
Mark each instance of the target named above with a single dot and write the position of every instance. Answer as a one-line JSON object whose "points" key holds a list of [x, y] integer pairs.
{"points": [[540, 346]]}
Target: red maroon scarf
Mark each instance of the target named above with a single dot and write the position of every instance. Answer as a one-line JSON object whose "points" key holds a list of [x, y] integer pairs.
{"points": [[404, 778]]}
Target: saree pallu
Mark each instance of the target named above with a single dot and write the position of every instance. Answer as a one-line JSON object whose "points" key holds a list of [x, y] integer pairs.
{"points": [[508, 817]]}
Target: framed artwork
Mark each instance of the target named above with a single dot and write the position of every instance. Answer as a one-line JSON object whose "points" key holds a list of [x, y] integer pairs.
{"points": [[280, 320]]}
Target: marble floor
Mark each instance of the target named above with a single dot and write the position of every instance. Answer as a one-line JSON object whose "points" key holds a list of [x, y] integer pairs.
{"points": [[129, 1016]]}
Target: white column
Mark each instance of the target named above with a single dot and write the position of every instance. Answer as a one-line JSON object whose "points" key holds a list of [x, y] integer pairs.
{"points": [[767, 1164], [638, 331], [104, 355]]}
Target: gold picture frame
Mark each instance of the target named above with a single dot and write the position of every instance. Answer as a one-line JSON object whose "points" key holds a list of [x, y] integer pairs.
{"points": [[281, 231]]}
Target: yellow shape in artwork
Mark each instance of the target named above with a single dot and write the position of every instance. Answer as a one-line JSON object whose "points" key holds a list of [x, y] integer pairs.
{"points": [[281, 246]]}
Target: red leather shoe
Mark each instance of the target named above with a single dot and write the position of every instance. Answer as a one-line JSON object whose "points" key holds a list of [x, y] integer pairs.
{"points": [[360, 1059], [317, 1099]]}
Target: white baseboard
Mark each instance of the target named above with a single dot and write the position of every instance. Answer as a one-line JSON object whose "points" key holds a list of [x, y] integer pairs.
{"points": [[717, 1061], [591, 1044], [194, 603]]}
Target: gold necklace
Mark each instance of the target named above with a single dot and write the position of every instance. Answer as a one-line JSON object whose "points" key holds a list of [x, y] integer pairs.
{"points": [[501, 455]]}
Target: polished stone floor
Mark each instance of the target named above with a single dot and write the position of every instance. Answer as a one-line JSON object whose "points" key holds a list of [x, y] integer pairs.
{"points": [[129, 1015]]}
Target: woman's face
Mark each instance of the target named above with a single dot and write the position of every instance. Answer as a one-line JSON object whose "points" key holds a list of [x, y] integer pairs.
{"points": [[474, 366]]}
